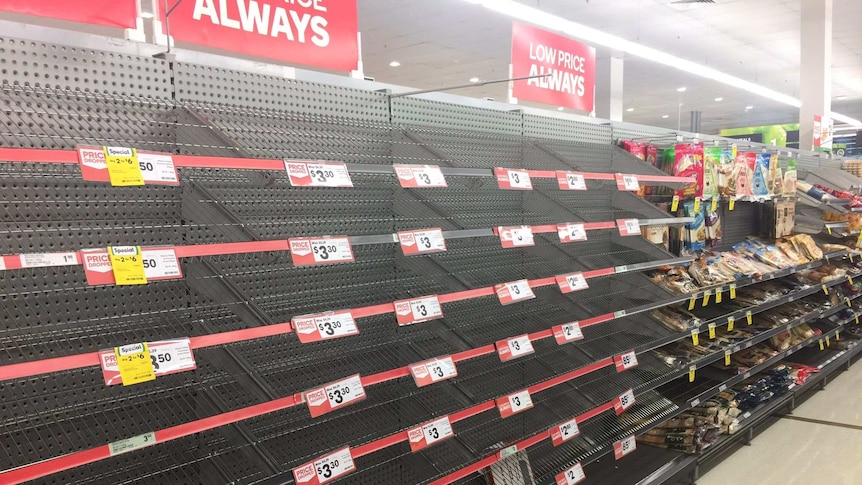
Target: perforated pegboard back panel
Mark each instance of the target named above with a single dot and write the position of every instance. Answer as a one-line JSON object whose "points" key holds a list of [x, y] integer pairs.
{"points": [[548, 127], [437, 114], [206, 84], [45, 65]]}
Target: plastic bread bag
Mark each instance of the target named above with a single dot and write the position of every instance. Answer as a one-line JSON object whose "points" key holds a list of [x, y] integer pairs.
{"points": [[696, 230], [688, 162]]}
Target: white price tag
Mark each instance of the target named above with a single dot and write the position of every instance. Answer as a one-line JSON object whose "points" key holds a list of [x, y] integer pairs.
{"points": [[568, 332], [415, 176], [318, 174], [624, 447], [629, 227], [571, 476], [326, 468], [421, 241], [417, 310], [161, 264], [627, 182], [322, 250], [167, 356], [434, 370], [626, 361], [44, 260], [324, 326], [514, 403], [513, 179], [572, 282], [334, 395], [430, 433], [131, 444], [564, 432], [571, 232], [571, 181], [516, 237], [514, 291], [625, 401], [514, 347]]}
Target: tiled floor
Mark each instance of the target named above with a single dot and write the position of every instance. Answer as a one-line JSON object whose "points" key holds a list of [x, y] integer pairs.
{"points": [[793, 451]]}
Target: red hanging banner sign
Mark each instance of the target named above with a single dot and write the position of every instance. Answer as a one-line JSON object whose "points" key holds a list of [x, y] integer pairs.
{"points": [[569, 64], [320, 33], [121, 14]]}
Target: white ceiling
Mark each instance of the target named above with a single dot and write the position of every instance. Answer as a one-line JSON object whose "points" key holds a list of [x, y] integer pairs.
{"points": [[446, 42]]}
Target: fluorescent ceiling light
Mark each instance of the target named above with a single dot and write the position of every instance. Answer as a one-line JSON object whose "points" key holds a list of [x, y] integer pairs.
{"points": [[474, 79], [630, 110], [748, 108], [665, 116], [681, 90], [147, 15], [846, 119], [718, 100], [394, 64], [560, 108], [519, 11]]}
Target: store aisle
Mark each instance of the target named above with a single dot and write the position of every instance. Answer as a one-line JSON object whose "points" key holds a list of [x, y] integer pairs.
{"points": [[799, 451]]}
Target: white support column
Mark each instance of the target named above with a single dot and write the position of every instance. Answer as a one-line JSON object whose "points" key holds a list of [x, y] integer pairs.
{"points": [[609, 88], [815, 83]]}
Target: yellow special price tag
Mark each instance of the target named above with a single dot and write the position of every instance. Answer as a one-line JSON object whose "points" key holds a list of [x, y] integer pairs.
{"points": [[128, 265], [691, 303], [837, 336], [697, 204], [827, 341], [730, 322], [825, 290], [695, 337], [859, 240], [123, 168], [718, 296], [731, 204], [847, 300], [674, 206], [856, 316], [850, 255], [828, 230], [850, 280], [134, 363], [748, 316], [711, 330], [706, 295], [822, 347], [726, 357], [732, 292], [714, 204], [691, 371]]}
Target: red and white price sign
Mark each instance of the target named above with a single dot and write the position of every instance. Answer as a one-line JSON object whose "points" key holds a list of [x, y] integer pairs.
{"points": [[514, 291], [572, 282], [417, 176], [516, 237], [156, 168], [571, 476], [626, 361], [624, 447], [45, 260], [418, 310], [429, 433], [508, 178], [317, 174], [421, 241], [514, 403], [568, 332], [324, 326], [159, 264], [328, 398], [326, 468], [625, 401], [627, 182], [167, 356], [434, 370], [629, 227], [514, 347], [571, 181], [320, 250], [571, 232], [564, 432]]}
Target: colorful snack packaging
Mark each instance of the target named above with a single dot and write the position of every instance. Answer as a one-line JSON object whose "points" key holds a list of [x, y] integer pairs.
{"points": [[790, 178], [695, 237], [688, 162], [742, 175], [712, 220], [760, 176], [711, 163], [726, 182]]}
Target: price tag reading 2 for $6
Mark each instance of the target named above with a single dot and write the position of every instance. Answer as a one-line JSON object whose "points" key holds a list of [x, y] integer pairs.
{"points": [[322, 250], [324, 326], [166, 357], [326, 468], [334, 395], [160, 263]]}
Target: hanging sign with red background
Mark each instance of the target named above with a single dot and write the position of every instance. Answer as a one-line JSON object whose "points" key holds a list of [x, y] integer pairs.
{"points": [[319, 33], [111, 13], [571, 65]]}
